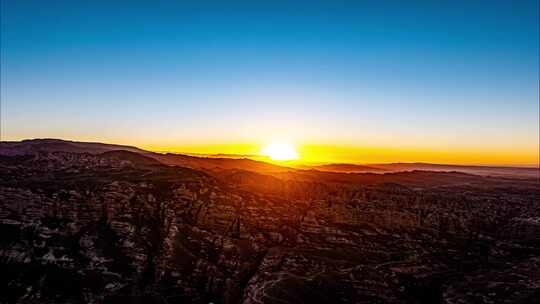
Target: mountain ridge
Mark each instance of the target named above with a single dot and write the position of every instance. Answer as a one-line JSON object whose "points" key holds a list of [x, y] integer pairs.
{"points": [[227, 162]]}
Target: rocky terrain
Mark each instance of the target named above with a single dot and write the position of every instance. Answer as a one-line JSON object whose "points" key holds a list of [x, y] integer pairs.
{"points": [[120, 226]]}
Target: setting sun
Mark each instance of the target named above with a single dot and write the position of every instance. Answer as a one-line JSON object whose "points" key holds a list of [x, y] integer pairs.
{"points": [[280, 151]]}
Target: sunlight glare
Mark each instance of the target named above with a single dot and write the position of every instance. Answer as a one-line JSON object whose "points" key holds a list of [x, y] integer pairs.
{"points": [[280, 151]]}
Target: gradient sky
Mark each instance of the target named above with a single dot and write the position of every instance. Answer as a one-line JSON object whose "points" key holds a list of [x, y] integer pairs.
{"points": [[435, 81]]}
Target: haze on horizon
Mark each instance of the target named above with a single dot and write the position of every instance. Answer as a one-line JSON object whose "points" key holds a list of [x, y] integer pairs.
{"points": [[446, 82]]}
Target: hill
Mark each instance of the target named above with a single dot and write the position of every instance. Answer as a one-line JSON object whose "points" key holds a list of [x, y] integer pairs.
{"points": [[522, 172], [347, 168], [132, 157], [217, 164], [32, 146]]}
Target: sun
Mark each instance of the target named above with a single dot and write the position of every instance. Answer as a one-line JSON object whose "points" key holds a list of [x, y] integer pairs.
{"points": [[280, 151]]}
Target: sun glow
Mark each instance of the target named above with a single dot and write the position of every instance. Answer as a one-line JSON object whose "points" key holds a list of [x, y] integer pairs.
{"points": [[280, 151]]}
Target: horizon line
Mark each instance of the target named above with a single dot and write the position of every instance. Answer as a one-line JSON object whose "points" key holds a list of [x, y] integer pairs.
{"points": [[263, 158]]}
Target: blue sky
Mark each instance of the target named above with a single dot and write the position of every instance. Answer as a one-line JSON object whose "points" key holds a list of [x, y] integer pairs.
{"points": [[425, 75]]}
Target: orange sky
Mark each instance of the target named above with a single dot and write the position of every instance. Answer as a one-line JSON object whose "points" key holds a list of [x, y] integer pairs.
{"points": [[315, 153], [520, 153]]}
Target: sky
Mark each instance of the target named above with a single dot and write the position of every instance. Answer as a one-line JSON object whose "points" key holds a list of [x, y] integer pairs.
{"points": [[343, 81]]}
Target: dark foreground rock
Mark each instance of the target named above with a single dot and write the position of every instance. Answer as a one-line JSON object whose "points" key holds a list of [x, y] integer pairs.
{"points": [[120, 228]]}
